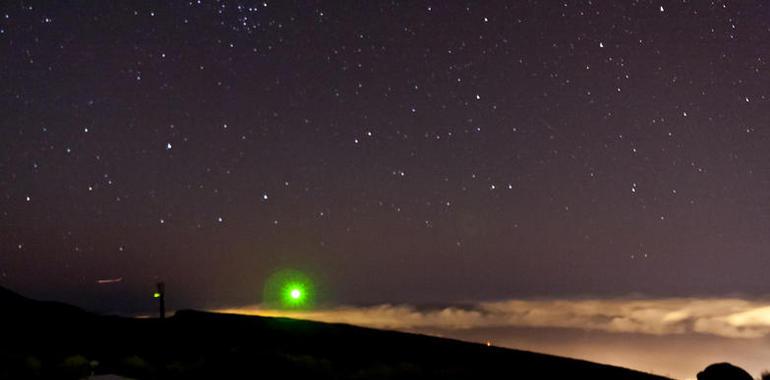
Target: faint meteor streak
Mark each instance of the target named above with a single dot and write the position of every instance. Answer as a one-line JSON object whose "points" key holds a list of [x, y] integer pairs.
{"points": [[109, 281]]}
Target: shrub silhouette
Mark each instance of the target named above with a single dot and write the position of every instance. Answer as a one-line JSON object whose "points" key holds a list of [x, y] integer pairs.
{"points": [[75, 367], [33, 366], [135, 366]]}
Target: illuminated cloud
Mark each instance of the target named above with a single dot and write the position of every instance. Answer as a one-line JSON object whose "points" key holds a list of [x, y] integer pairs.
{"points": [[725, 317]]}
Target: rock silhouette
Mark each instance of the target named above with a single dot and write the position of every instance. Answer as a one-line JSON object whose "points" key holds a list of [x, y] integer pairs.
{"points": [[723, 371]]}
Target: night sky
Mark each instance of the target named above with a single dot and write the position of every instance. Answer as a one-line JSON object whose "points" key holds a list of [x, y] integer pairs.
{"points": [[401, 152]]}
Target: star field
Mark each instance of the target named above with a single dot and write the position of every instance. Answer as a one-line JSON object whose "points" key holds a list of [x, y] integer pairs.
{"points": [[396, 151]]}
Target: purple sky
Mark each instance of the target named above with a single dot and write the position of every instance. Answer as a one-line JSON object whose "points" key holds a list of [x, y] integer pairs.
{"points": [[396, 152]]}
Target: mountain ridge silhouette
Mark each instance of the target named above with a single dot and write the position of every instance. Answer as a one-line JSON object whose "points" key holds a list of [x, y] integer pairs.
{"points": [[56, 340]]}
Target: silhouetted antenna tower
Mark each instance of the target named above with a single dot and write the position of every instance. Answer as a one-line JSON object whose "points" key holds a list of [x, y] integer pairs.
{"points": [[160, 295]]}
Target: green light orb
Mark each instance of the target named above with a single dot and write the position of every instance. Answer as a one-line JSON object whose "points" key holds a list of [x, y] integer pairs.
{"points": [[289, 289], [293, 294]]}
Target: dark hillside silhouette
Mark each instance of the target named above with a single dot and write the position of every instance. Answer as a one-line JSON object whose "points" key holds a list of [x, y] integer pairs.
{"points": [[52, 340], [724, 371]]}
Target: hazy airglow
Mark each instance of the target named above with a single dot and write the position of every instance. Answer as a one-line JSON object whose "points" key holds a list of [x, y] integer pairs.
{"points": [[726, 317], [645, 334]]}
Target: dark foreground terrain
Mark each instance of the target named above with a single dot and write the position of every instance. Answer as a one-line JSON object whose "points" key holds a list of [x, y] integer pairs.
{"points": [[58, 341]]}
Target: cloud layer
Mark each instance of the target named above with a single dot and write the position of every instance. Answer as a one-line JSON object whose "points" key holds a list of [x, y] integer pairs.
{"points": [[725, 317]]}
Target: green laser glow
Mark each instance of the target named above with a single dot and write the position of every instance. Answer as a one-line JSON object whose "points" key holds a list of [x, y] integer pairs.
{"points": [[289, 289], [293, 294]]}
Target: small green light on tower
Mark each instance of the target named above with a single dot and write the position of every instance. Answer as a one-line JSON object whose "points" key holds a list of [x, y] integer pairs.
{"points": [[156, 295]]}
